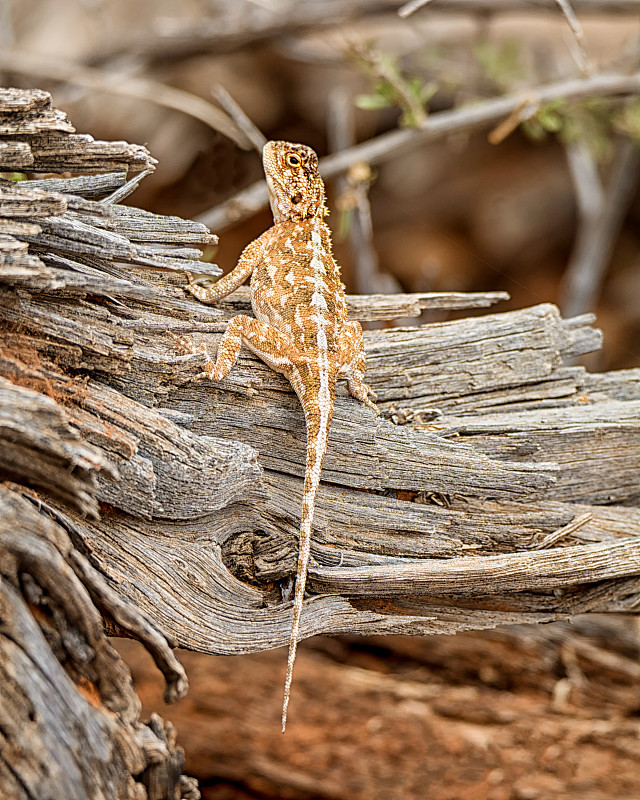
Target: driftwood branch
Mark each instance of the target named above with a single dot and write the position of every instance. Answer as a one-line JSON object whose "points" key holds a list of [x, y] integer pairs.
{"points": [[497, 485], [68, 711]]}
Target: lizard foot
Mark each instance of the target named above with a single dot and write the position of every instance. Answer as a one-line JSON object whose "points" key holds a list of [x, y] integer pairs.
{"points": [[359, 389], [187, 346], [206, 294]]}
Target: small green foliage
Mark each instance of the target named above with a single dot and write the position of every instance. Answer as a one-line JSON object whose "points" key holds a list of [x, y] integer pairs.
{"points": [[13, 176], [590, 121], [548, 118], [372, 102], [423, 92], [627, 120], [392, 88], [500, 62], [593, 121], [550, 115]]}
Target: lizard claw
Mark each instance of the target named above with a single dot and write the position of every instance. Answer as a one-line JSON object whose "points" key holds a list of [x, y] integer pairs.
{"points": [[187, 346]]}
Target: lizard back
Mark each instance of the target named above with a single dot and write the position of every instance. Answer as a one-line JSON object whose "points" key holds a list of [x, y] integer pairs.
{"points": [[297, 288]]}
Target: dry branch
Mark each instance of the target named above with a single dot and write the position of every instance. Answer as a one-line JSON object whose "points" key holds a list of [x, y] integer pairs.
{"points": [[353, 200], [235, 26], [598, 228], [68, 712], [497, 6], [497, 486], [19, 62], [436, 126]]}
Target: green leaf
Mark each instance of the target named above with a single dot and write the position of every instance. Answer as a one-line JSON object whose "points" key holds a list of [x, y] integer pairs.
{"points": [[628, 120], [533, 129], [428, 91], [371, 102], [550, 119], [386, 90]]}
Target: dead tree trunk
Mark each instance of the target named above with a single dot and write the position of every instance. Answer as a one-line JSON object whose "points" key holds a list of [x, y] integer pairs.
{"points": [[497, 486]]}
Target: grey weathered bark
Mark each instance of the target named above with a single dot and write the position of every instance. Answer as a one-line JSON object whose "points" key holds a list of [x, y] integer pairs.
{"points": [[496, 486], [69, 716]]}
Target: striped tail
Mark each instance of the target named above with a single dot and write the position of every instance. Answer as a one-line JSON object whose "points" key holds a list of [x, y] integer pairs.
{"points": [[318, 424]]}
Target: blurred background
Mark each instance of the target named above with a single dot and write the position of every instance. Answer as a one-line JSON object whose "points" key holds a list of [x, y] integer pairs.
{"points": [[545, 206]]}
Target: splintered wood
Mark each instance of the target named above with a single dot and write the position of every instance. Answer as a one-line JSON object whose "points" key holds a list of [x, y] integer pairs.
{"points": [[68, 711]]}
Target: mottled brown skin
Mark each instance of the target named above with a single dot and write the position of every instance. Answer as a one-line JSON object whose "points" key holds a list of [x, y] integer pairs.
{"points": [[301, 328]]}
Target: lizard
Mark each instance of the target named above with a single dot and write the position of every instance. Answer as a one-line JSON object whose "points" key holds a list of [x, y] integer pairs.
{"points": [[300, 327]]}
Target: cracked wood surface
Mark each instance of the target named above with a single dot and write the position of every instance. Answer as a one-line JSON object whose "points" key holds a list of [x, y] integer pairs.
{"points": [[485, 446], [202, 517]]}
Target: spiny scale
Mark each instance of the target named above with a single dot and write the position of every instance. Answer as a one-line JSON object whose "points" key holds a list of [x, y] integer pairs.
{"points": [[301, 327]]}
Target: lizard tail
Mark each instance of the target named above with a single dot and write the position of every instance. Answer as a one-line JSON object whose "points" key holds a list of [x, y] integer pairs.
{"points": [[317, 435]]}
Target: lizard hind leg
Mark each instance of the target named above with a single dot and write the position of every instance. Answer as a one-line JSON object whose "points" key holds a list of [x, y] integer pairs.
{"points": [[268, 343], [352, 363]]}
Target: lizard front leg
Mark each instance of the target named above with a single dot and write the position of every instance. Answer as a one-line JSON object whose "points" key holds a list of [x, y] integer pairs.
{"points": [[247, 262], [267, 342], [351, 363]]}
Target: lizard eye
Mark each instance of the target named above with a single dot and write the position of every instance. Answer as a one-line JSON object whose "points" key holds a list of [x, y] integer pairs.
{"points": [[293, 160]]}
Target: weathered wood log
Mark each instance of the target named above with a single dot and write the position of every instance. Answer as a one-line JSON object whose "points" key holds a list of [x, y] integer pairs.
{"points": [[496, 486], [68, 711]]}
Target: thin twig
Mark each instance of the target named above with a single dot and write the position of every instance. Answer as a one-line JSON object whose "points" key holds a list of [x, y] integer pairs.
{"points": [[21, 62], [246, 125], [586, 180], [126, 189], [527, 6], [437, 126], [579, 53], [396, 86], [550, 539], [596, 236], [229, 31], [507, 126], [483, 7], [412, 7], [353, 196]]}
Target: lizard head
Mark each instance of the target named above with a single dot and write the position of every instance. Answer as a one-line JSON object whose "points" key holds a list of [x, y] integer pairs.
{"points": [[296, 190]]}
